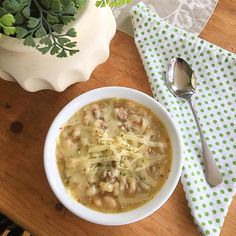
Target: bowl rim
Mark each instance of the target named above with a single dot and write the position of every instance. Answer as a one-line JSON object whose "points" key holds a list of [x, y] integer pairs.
{"points": [[84, 212]]}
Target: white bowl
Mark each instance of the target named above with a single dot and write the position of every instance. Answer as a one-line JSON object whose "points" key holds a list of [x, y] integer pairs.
{"points": [[52, 172]]}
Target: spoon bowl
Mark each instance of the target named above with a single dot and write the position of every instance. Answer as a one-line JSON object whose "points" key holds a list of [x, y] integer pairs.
{"points": [[181, 80]]}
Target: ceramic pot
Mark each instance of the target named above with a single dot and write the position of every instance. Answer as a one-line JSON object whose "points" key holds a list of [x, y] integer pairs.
{"points": [[35, 71]]}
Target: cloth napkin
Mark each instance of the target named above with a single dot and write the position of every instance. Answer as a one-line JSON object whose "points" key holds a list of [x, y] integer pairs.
{"points": [[215, 103], [190, 15]]}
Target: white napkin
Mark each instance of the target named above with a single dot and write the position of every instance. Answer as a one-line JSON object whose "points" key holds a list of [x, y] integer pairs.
{"points": [[215, 103], [190, 15]]}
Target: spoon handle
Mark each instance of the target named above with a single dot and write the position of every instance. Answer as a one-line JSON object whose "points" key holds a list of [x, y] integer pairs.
{"points": [[213, 175]]}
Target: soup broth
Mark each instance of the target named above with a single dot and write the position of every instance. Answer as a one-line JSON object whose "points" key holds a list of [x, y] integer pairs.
{"points": [[114, 155]]}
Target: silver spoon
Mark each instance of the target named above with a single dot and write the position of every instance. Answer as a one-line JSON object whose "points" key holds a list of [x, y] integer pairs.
{"points": [[181, 82]]}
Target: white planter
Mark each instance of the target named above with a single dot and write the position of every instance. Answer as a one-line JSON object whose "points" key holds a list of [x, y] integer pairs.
{"points": [[35, 71]]}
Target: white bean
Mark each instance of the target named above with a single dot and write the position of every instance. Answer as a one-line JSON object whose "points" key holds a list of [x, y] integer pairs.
{"points": [[161, 148], [104, 174], [132, 185], [109, 201], [97, 201], [76, 132], [122, 187], [70, 144], [116, 189], [86, 120], [92, 190], [106, 186], [153, 168], [98, 113], [115, 172], [145, 186]]}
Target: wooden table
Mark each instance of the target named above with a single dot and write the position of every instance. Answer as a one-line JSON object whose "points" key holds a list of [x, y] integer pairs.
{"points": [[25, 195]]}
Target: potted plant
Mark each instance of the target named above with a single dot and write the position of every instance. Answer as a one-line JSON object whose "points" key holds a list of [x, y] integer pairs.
{"points": [[50, 44]]}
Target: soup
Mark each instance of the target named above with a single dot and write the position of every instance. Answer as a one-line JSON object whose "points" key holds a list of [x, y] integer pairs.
{"points": [[114, 155]]}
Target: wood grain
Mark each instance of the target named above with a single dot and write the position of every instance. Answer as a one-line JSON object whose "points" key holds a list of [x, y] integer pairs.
{"points": [[25, 195]]}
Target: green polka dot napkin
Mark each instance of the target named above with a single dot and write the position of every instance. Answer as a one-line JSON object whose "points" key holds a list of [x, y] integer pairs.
{"points": [[215, 103]]}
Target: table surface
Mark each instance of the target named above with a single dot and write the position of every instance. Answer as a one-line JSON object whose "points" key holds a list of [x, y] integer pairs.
{"points": [[25, 118]]}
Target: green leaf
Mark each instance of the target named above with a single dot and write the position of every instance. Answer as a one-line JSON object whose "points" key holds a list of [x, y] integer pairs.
{"points": [[79, 3], [9, 30], [12, 6], [118, 3], [19, 18], [72, 52], [71, 32], [29, 41], [112, 3], [45, 3], [7, 20], [67, 19], [21, 32], [62, 41], [6, 23], [41, 32], [71, 44], [101, 3], [56, 6], [57, 28], [46, 41], [54, 50], [44, 50], [52, 19], [62, 54], [32, 22], [2, 11], [70, 8], [26, 12]]}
